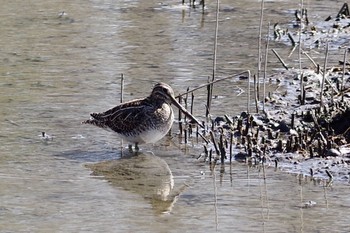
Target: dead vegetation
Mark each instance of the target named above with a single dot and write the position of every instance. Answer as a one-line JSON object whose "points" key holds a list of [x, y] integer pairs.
{"points": [[307, 119]]}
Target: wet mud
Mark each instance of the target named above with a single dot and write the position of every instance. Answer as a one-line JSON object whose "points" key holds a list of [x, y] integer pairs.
{"points": [[303, 126]]}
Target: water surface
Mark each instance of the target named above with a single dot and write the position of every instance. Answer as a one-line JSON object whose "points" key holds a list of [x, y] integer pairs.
{"points": [[55, 70]]}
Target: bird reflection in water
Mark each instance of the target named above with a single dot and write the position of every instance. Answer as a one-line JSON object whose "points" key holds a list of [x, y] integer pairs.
{"points": [[145, 174]]}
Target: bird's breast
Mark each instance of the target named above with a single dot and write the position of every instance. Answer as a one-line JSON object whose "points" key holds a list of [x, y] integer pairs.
{"points": [[154, 128]]}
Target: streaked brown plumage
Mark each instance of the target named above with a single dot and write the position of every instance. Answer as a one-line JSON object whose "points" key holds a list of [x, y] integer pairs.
{"points": [[142, 120]]}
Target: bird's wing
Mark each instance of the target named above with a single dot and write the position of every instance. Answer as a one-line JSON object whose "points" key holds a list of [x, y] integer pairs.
{"points": [[124, 118], [128, 119]]}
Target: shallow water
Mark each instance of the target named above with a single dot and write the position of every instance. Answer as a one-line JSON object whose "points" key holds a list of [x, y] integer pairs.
{"points": [[56, 70]]}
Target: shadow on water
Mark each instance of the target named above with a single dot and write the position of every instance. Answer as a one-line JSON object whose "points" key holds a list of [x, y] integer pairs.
{"points": [[142, 173]]}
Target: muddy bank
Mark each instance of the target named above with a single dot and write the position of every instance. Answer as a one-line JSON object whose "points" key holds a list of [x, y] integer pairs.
{"points": [[296, 133], [304, 126], [333, 29]]}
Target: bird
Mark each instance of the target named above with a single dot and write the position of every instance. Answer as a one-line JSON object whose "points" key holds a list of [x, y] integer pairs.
{"points": [[142, 121]]}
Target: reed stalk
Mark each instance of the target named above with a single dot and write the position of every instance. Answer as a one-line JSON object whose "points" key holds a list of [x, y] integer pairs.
{"points": [[324, 75], [210, 87], [280, 59], [299, 53], [260, 38], [265, 65], [215, 81], [248, 98], [256, 91], [121, 88]]}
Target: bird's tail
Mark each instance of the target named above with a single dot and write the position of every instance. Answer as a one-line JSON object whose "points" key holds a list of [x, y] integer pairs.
{"points": [[95, 120]]}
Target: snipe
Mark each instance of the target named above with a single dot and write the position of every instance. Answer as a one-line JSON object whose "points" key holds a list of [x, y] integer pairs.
{"points": [[142, 120]]}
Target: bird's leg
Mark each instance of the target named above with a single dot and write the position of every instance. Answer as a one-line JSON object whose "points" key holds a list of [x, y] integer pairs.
{"points": [[136, 148]]}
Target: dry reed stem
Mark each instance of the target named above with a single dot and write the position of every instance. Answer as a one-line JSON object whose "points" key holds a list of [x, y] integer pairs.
{"points": [[324, 75], [210, 88], [214, 142], [292, 40], [248, 99], [121, 88], [209, 98], [302, 90], [215, 81], [121, 101], [265, 65], [310, 58], [256, 91], [280, 59], [321, 72], [180, 117], [259, 39], [302, 94]]}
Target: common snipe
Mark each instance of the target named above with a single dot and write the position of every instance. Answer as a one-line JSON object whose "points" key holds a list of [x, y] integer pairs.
{"points": [[142, 120]]}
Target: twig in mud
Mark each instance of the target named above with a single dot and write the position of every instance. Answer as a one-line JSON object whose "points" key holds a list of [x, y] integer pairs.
{"points": [[318, 128], [291, 39], [180, 117], [319, 71], [222, 148], [329, 175], [192, 101], [330, 84], [324, 75], [302, 89], [204, 139], [209, 97], [228, 120], [310, 58], [292, 51], [214, 142], [206, 153], [280, 59]]}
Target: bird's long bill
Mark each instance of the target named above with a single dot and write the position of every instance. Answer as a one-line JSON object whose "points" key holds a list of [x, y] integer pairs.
{"points": [[187, 113]]}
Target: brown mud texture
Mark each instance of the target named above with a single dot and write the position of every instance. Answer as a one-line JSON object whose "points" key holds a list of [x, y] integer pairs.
{"points": [[304, 126]]}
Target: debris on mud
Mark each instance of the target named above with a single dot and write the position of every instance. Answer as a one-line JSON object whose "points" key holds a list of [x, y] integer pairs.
{"points": [[334, 29], [304, 126], [294, 133]]}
